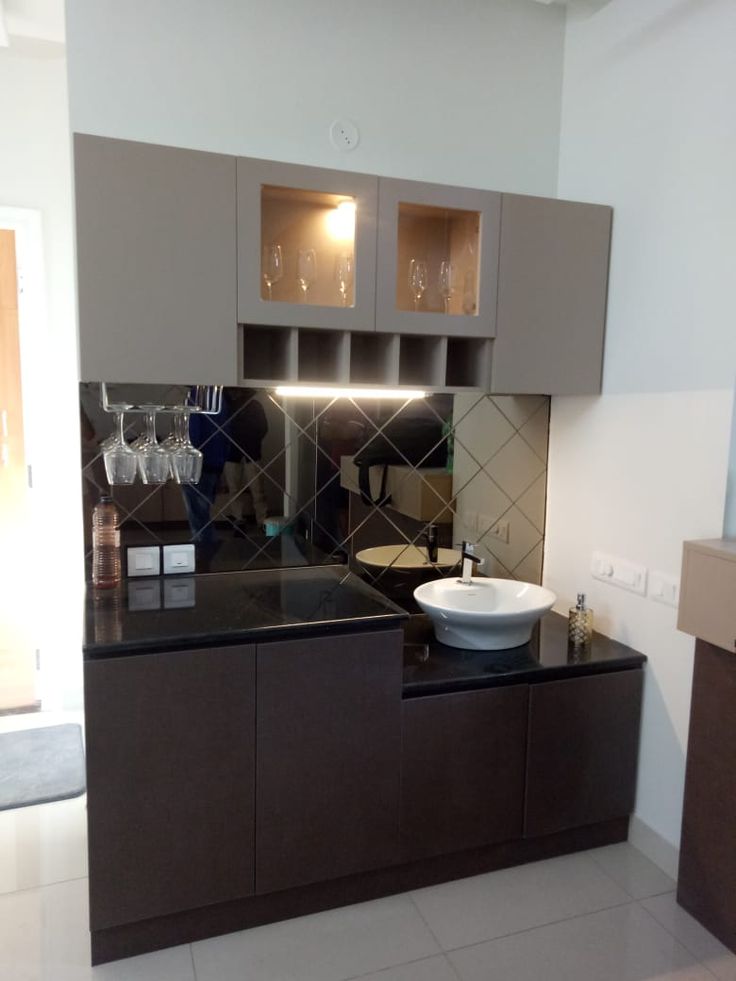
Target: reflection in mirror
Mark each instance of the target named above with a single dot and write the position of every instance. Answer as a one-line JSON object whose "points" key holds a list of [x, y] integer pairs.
{"points": [[389, 488]]}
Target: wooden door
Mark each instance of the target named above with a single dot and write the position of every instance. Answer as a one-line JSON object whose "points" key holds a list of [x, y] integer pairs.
{"points": [[552, 293], [156, 259], [17, 657], [329, 744], [582, 751], [462, 770], [170, 782]]}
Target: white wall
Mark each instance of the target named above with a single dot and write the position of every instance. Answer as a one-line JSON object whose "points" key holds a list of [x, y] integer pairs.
{"points": [[464, 91], [35, 173], [648, 127]]}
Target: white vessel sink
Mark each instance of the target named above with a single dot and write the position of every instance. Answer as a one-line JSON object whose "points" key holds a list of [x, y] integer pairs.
{"points": [[406, 558], [488, 615]]}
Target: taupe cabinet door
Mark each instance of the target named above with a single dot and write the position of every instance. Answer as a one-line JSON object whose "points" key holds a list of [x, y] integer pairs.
{"points": [[156, 259], [432, 224], [170, 782], [552, 289], [329, 744], [295, 208]]}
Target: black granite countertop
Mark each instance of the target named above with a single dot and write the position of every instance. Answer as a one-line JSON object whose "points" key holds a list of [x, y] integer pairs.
{"points": [[432, 668], [179, 612]]}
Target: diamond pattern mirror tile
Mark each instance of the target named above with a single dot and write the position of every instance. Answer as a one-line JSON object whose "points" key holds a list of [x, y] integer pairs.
{"points": [[299, 482]]}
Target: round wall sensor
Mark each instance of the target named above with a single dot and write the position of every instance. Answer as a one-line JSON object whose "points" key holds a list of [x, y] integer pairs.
{"points": [[344, 134]]}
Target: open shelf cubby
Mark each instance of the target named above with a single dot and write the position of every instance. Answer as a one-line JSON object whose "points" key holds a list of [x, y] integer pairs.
{"points": [[268, 353], [422, 360], [374, 359], [323, 356], [468, 362]]}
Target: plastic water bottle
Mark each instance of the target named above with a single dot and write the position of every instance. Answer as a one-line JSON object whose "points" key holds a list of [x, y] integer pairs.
{"points": [[105, 544]]}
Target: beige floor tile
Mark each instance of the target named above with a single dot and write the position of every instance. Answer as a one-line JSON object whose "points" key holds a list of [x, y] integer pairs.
{"points": [[633, 871], [331, 946], [621, 944], [487, 906], [702, 944]]}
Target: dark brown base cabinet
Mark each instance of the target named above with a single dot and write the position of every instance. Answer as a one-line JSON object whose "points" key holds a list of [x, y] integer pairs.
{"points": [[236, 786], [706, 884]]}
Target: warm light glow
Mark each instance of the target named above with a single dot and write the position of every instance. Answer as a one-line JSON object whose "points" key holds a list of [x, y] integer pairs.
{"points": [[341, 221], [329, 392]]}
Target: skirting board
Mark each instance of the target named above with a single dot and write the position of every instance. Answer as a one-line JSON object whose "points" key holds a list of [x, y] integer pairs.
{"points": [[656, 848]]}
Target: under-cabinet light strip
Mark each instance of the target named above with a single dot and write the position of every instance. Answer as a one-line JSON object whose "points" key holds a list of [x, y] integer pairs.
{"points": [[328, 392]]}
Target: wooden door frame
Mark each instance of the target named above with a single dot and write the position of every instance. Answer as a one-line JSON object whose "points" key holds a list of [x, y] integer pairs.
{"points": [[26, 224]]}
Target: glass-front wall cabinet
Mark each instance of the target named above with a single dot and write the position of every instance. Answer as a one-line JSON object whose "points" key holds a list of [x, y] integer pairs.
{"points": [[437, 259], [306, 246]]}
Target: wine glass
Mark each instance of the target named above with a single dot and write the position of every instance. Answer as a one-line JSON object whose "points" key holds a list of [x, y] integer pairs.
{"points": [[306, 269], [344, 276], [417, 280], [186, 459], [446, 282], [272, 266], [154, 462], [121, 462]]}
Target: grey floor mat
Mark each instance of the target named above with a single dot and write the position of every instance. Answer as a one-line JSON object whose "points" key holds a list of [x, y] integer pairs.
{"points": [[41, 765]]}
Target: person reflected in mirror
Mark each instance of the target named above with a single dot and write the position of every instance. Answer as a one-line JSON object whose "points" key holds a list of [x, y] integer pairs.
{"points": [[207, 434], [247, 428]]}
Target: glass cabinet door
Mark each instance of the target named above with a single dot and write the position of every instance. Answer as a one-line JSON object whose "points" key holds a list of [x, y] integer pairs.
{"points": [[437, 259], [306, 246]]}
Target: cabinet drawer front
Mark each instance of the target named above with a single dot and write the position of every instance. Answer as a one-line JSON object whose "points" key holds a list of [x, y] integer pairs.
{"points": [[462, 770], [583, 746], [170, 771], [329, 739]]}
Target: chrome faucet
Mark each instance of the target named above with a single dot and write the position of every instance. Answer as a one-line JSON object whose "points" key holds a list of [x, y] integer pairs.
{"points": [[469, 560]]}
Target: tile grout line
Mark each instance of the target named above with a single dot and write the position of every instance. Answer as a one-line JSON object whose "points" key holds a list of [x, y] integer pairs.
{"points": [[679, 940], [540, 926], [424, 920], [42, 885], [636, 899], [191, 957], [393, 967]]}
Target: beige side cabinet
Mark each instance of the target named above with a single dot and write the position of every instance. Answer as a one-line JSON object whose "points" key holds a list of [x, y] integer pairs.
{"points": [[708, 592], [204, 268]]}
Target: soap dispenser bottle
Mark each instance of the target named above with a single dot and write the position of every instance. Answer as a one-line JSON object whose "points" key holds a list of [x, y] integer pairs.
{"points": [[580, 628]]}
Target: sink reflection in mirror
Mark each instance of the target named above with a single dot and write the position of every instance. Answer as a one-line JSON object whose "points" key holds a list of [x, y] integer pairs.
{"points": [[354, 481]]}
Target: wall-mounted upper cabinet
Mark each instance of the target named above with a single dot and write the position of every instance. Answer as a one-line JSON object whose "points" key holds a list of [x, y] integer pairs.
{"points": [[437, 259], [306, 246], [156, 263], [552, 291]]}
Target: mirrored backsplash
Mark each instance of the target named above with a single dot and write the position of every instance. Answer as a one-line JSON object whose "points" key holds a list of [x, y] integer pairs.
{"points": [[294, 482]]}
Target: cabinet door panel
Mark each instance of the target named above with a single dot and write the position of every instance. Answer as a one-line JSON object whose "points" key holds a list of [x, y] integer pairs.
{"points": [[435, 223], [170, 772], [582, 751], [706, 884], [156, 263], [552, 290], [291, 206], [329, 741], [462, 770]]}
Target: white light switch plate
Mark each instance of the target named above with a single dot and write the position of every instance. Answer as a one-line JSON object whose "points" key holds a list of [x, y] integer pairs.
{"points": [[664, 588], [178, 558], [619, 572], [144, 560]]}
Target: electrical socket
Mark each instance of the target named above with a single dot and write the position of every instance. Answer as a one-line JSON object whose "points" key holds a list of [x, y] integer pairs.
{"points": [[500, 531], [664, 588], [344, 134]]}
